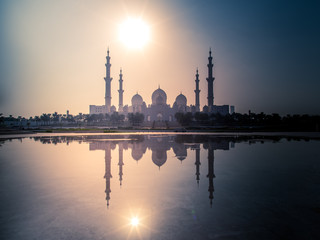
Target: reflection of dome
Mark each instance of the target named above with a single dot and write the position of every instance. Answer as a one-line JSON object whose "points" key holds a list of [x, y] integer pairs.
{"points": [[136, 100], [138, 150], [159, 157], [181, 158], [113, 146], [159, 97], [136, 154], [181, 100], [181, 151]]}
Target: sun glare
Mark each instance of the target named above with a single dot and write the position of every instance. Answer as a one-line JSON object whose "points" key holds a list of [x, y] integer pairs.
{"points": [[134, 33], [134, 221]]}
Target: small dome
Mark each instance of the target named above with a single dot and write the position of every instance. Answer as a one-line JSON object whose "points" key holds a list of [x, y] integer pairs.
{"points": [[181, 100], [126, 108], [113, 109], [156, 99], [136, 100]]}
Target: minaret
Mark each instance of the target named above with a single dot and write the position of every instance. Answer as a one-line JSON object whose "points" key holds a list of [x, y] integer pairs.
{"points": [[120, 162], [211, 172], [108, 175], [210, 80], [108, 80], [198, 163], [120, 92], [197, 91]]}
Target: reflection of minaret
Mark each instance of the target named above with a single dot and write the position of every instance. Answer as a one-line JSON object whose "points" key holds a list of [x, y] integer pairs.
{"points": [[211, 172], [210, 80], [197, 91], [108, 80], [120, 162], [198, 163], [108, 175], [120, 92]]}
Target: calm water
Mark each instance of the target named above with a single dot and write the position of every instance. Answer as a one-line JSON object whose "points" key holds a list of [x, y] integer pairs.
{"points": [[178, 187]]}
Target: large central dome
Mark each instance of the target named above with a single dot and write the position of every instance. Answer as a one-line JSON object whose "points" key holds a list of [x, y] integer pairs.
{"points": [[159, 97]]}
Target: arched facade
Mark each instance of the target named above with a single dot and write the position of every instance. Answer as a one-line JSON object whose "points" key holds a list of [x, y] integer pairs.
{"points": [[159, 110]]}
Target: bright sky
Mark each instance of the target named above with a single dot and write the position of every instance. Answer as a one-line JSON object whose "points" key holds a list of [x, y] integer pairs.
{"points": [[266, 53]]}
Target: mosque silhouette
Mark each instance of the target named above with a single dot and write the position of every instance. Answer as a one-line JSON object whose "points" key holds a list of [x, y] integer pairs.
{"points": [[159, 110]]}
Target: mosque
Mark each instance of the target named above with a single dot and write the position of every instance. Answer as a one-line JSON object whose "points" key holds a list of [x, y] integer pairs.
{"points": [[159, 109]]}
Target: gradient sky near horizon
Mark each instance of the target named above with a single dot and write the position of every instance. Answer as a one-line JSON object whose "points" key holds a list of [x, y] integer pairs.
{"points": [[266, 53]]}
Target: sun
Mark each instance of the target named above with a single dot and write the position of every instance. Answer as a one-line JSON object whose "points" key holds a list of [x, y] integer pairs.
{"points": [[134, 33], [134, 221]]}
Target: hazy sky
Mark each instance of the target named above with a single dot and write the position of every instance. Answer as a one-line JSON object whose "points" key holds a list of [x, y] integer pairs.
{"points": [[266, 53]]}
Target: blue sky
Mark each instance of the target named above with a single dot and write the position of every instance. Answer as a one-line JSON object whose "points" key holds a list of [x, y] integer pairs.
{"points": [[271, 50]]}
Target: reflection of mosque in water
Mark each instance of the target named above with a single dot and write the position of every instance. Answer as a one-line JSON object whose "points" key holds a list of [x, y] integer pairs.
{"points": [[159, 147]]}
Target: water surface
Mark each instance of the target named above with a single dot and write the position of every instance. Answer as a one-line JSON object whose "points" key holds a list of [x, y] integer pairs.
{"points": [[179, 187]]}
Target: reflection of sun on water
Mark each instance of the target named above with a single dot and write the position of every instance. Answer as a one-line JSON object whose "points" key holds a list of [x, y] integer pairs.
{"points": [[137, 223], [134, 33]]}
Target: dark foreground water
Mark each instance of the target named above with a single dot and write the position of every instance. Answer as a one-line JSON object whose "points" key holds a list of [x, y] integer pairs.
{"points": [[175, 187]]}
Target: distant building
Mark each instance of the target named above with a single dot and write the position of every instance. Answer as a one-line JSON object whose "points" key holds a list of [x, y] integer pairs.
{"points": [[232, 110], [223, 109], [159, 109], [94, 109]]}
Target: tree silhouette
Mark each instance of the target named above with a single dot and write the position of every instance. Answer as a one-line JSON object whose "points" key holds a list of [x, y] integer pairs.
{"points": [[135, 118]]}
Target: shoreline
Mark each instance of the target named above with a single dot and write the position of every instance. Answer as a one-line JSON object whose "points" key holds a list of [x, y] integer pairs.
{"points": [[28, 134]]}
